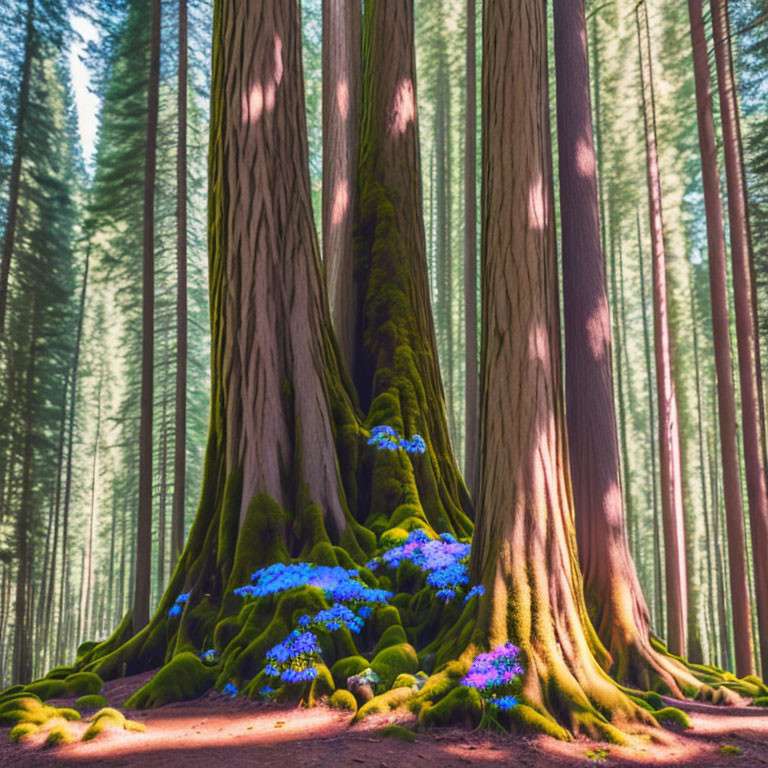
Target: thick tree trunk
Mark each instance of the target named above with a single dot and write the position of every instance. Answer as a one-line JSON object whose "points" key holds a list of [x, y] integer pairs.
{"points": [[471, 374], [141, 594], [180, 408], [718, 279], [396, 369], [669, 437], [746, 326], [613, 595], [341, 145], [9, 239], [524, 544]]}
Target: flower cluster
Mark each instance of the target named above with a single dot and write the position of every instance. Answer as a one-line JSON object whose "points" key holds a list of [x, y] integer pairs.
{"points": [[293, 660], [177, 606], [338, 584], [386, 439], [336, 617], [493, 675], [443, 560], [230, 689], [210, 656]]}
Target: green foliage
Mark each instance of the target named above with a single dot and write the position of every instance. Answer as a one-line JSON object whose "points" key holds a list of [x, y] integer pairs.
{"points": [[729, 749], [23, 731], [342, 699]]}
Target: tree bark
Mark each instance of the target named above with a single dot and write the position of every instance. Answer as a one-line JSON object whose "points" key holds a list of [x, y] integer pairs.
{"points": [[524, 545], [669, 437], [613, 594], [342, 69], [396, 370], [471, 374], [180, 409], [752, 407], [141, 594], [718, 279], [9, 240]]}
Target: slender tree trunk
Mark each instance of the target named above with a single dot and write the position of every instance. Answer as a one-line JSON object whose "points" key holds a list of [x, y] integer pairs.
{"points": [[180, 413], [9, 240], [524, 549], [750, 375], [720, 564], [397, 371], [658, 583], [341, 144], [162, 500], [22, 661], [718, 279], [141, 593], [669, 437], [471, 375]]}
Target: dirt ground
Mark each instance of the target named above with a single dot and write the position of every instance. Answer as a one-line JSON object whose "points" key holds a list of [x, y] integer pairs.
{"points": [[219, 731]]}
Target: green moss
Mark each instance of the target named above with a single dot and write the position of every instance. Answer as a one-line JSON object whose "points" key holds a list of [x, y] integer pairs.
{"points": [[404, 681], [729, 749], [461, 706], [11, 691], [395, 731], [67, 713], [184, 677], [104, 719], [22, 731], [671, 716], [344, 668], [761, 701], [758, 683], [394, 635], [58, 735], [385, 617], [60, 673], [47, 689], [27, 709], [83, 683], [321, 686], [343, 699], [393, 537], [91, 702], [386, 702], [394, 661], [528, 720]]}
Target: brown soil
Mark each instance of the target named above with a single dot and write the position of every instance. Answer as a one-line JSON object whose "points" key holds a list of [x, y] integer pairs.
{"points": [[219, 731]]}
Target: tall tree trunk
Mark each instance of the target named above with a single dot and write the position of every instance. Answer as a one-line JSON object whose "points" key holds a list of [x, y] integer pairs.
{"points": [[471, 374], [64, 585], [748, 340], [718, 279], [658, 583], [341, 145], [397, 370], [22, 661], [180, 409], [613, 595], [162, 521], [141, 594], [524, 546], [669, 437], [86, 604], [14, 183]]}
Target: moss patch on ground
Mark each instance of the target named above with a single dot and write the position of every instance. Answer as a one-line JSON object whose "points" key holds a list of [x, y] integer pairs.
{"points": [[184, 677], [107, 719]]}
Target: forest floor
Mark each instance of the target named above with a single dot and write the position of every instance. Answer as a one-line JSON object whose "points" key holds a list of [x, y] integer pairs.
{"points": [[220, 731]]}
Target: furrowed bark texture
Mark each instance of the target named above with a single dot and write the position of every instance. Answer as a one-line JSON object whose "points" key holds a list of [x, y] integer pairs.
{"points": [[524, 549], [669, 436], [471, 374], [747, 336], [397, 362], [341, 144], [718, 279], [613, 595]]}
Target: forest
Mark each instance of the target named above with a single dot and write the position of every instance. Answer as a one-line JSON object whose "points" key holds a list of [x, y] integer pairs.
{"points": [[382, 382]]}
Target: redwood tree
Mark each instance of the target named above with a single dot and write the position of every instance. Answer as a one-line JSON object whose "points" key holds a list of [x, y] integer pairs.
{"points": [[614, 598], [669, 436], [718, 279], [748, 340], [341, 144], [524, 545]]}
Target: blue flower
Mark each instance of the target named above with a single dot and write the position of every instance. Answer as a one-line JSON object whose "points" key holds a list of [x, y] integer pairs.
{"points": [[183, 597], [266, 691], [272, 670], [505, 702], [476, 590], [230, 689], [175, 610]]}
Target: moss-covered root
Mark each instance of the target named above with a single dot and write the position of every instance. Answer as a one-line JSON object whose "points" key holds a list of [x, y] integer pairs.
{"points": [[29, 709], [386, 702], [23, 731], [343, 700], [395, 731], [671, 717], [91, 703], [77, 684], [107, 719], [184, 677], [57, 736]]}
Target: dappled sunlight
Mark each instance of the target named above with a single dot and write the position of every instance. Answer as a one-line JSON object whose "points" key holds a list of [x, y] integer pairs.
{"points": [[538, 343], [598, 329], [260, 96], [537, 205], [340, 204], [585, 159], [403, 110], [342, 99]]}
